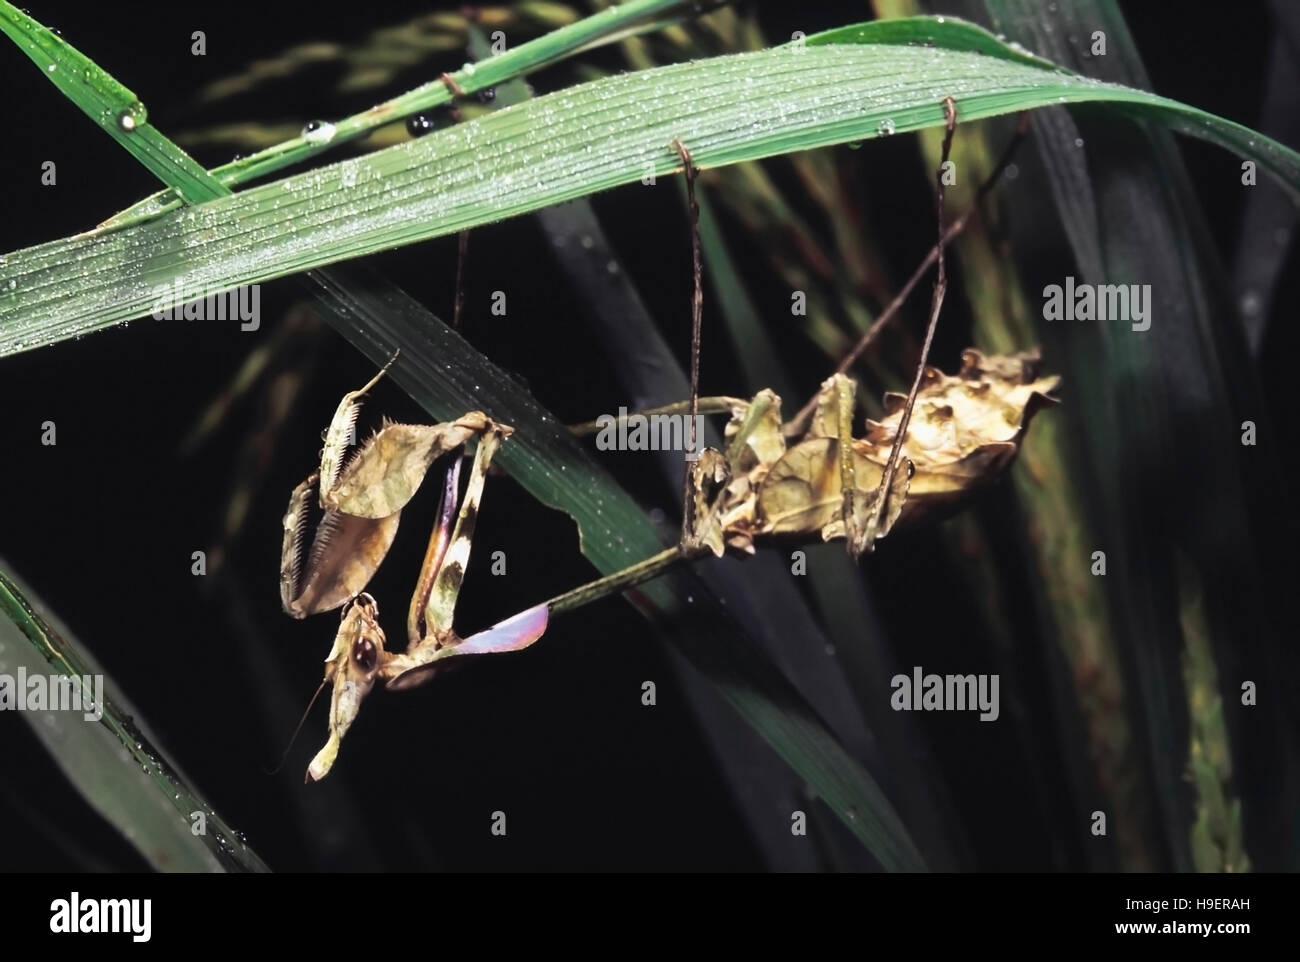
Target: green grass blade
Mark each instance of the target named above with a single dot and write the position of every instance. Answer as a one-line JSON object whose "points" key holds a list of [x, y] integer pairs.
{"points": [[106, 101], [608, 26], [112, 761], [568, 144]]}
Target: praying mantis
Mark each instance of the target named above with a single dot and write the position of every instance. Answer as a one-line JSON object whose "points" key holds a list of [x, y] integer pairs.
{"points": [[775, 480]]}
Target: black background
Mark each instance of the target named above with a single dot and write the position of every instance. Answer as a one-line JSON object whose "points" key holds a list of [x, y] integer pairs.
{"points": [[103, 525]]}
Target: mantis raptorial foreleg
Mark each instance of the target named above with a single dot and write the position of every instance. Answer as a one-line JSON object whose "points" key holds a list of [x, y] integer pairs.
{"points": [[362, 498], [341, 433], [343, 556], [345, 550]]}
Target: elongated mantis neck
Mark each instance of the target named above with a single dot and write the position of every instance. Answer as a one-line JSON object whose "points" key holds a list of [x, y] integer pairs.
{"points": [[628, 577], [707, 405]]}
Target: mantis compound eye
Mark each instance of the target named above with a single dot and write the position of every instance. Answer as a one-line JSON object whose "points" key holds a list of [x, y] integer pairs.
{"points": [[364, 654]]}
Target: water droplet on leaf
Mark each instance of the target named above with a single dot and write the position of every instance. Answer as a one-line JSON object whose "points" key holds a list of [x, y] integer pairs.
{"points": [[419, 125], [132, 118], [318, 131]]}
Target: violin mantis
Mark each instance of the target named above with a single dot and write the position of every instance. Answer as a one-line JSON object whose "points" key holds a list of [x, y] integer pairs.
{"points": [[774, 481], [804, 478]]}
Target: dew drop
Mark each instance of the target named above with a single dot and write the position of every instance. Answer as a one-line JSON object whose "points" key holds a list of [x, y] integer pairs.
{"points": [[419, 125], [318, 131], [885, 127], [487, 95], [131, 118]]}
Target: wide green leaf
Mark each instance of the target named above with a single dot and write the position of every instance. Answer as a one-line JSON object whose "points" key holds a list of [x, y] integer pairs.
{"points": [[592, 137]]}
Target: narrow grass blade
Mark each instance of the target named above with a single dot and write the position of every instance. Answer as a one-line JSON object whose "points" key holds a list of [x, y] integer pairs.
{"points": [[633, 17], [112, 760], [116, 109]]}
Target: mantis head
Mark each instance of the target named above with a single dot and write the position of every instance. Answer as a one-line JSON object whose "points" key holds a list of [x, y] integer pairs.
{"points": [[353, 665]]}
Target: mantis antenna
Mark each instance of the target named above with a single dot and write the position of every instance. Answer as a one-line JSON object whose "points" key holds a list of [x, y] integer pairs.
{"points": [[294, 737]]}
